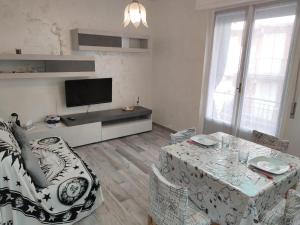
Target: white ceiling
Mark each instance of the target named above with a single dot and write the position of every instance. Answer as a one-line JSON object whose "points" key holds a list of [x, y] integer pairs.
{"points": [[214, 4]]}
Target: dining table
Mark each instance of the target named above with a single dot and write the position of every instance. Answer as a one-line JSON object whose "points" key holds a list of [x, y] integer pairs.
{"points": [[228, 191]]}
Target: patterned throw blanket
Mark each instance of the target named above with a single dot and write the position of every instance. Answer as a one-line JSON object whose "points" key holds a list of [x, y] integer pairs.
{"points": [[72, 194]]}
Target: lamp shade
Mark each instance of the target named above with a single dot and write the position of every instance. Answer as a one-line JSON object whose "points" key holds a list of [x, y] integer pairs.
{"points": [[135, 13]]}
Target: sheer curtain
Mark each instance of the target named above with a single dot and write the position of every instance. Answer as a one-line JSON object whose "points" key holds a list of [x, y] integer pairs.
{"points": [[225, 63], [257, 62]]}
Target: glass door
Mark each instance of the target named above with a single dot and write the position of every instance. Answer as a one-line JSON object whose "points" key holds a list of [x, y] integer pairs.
{"points": [[224, 73], [266, 71], [248, 72]]}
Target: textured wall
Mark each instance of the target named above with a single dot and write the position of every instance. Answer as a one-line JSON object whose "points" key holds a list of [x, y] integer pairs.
{"points": [[43, 27]]}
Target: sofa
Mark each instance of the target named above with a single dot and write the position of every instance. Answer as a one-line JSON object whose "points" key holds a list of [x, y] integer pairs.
{"points": [[73, 191]]}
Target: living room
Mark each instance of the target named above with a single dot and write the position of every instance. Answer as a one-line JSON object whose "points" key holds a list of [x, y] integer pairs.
{"points": [[114, 91]]}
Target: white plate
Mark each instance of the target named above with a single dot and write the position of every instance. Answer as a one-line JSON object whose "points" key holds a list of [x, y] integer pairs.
{"points": [[270, 165], [204, 140]]}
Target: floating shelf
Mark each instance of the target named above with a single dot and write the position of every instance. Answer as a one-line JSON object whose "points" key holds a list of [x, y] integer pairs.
{"points": [[91, 40], [43, 75], [45, 66]]}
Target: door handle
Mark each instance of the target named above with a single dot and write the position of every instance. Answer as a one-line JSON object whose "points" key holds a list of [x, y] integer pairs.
{"points": [[293, 111], [239, 88]]}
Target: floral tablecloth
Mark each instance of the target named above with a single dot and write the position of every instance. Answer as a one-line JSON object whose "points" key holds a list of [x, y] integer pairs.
{"points": [[228, 191]]}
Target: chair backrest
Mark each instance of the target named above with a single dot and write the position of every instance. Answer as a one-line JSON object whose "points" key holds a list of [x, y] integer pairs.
{"points": [[292, 210], [270, 141], [183, 135], [168, 202]]}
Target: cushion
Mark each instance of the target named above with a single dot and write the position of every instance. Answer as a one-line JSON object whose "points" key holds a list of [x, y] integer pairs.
{"points": [[20, 135], [33, 167], [292, 211], [31, 163], [270, 141], [275, 215], [196, 216], [7, 138], [183, 135]]}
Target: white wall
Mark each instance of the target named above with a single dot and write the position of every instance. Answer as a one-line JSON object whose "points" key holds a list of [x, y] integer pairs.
{"points": [[291, 127], [178, 54], [43, 27]]}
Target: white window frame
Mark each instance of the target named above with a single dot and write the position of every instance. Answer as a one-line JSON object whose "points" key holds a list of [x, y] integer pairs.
{"points": [[290, 85]]}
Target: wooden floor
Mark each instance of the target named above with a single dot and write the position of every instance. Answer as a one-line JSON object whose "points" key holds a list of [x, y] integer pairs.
{"points": [[122, 166]]}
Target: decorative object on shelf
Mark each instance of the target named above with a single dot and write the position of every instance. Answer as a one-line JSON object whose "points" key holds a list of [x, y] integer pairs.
{"points": [[128, 108], [14, 118], [52, 119], [28, 125], [135, 13], [18, 51]]}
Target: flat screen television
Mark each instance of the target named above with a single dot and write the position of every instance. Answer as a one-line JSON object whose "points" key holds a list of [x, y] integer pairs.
{"points": [[88, 91]]}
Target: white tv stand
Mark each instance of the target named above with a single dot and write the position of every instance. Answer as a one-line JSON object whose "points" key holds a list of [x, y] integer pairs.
{"points": [[87, 128]]}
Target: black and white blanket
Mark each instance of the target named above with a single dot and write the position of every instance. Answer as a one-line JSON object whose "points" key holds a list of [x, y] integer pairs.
{"points": [[72, 194]]}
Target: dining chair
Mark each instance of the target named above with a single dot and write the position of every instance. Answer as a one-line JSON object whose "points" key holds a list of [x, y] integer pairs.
{"points": [[270, 141], [287, 212], [183, 135], [170, 204]]}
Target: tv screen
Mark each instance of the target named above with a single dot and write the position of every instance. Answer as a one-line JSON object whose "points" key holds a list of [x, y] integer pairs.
{"points": [[88, 92]]}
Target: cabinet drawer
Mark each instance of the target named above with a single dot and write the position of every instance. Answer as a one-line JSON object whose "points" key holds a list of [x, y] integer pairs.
{"points": [[125, 128]]}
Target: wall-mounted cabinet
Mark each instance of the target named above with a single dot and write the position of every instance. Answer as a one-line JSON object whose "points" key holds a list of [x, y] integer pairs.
{"points": [[91, 40], [45, 66]]}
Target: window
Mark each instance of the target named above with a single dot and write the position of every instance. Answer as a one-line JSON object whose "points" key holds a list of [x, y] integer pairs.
{"points": [[251, 49]]}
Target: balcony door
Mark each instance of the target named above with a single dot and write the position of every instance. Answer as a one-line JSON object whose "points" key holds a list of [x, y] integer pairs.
{"points": [[248, 73]]}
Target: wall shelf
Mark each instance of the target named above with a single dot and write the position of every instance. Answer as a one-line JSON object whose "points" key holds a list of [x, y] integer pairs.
{"points": [[45, 66], [91, 40], [44, 75]]}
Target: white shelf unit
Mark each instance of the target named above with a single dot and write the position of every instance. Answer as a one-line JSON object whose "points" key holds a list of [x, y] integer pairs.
{"points": [[92, 40], [45, 66], [89, 133], [93, 127]]}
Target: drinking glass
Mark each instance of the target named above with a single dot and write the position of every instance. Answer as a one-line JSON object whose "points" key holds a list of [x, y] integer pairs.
{"points": [[243, 156], [226, 142]]}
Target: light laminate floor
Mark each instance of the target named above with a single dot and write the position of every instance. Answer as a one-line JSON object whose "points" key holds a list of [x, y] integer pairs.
{"points": [[122, 166]]}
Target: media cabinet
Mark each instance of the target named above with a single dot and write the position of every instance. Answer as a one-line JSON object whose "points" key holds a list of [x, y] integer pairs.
{"points": [[87, 128]]}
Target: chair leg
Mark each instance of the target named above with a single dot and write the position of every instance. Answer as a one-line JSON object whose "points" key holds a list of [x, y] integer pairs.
{"points": [[150, 222]]}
